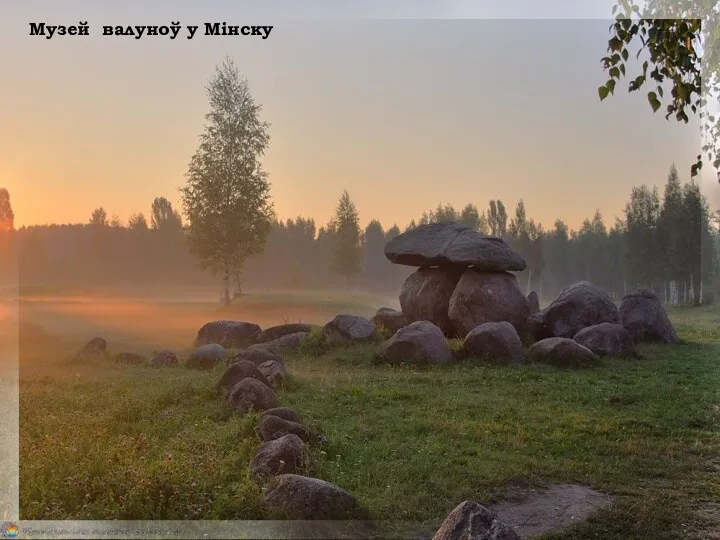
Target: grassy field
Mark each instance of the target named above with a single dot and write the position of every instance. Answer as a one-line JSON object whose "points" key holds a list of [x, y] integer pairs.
{"points": [[107, 442]]}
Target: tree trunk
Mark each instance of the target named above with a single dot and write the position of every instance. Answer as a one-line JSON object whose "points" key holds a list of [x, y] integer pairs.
{"points": [[529, 281], [226, 286], [238, 284]]}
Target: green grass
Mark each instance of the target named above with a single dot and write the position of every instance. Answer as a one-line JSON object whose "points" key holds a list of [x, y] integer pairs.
{"points": [[108, 442]]}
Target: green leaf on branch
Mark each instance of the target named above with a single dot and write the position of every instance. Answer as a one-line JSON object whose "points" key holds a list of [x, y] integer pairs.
{"points": [[654, 101], [603, 92]]}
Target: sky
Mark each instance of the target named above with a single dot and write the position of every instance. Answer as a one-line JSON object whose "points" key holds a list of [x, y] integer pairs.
{"points": [[404, 104]]}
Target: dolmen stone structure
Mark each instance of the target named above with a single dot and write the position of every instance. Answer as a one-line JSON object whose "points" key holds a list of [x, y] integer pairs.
{"points": [[463, 279]]}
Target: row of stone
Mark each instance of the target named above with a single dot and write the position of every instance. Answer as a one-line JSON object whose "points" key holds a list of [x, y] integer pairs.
{"points": [[283, 453]]}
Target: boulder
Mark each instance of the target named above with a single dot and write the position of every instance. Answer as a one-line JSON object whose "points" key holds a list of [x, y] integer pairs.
{"points": [[425, 296], [237, 372], [495, 341], [206, 356], [164, 358], [390, 319], [229, 334], [472, 521], [644, 317], [562, 353], [297, 497], [273, 427], [578, 306], [275, 332], [251, 395], [277, 346], [607, 339], [280, 456], [481, 297], [282, 412], [274, 371], [450, 244], [95, 348], [257, 356], [348, 328], [535, 327], [420, 342]]}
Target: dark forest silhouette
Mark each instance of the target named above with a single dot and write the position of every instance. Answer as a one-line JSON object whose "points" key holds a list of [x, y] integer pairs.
{"points": [[666, 241]]}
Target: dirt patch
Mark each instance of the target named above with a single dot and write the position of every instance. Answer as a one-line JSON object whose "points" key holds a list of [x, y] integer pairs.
{"points": [[536, 511]]}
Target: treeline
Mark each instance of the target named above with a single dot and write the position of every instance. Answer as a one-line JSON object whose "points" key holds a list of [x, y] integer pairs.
{"points": [[667, 243]]}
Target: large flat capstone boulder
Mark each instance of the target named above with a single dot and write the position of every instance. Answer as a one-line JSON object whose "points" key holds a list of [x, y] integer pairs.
{"points": [[450, 244]]}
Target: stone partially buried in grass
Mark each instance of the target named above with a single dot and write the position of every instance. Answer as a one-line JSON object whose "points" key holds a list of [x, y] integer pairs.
{"points": [[472, 521], [251, 395], [275, 332], [280, 345], [164, 358], [419, 343], [284, 455], [348, 328], [274, 371], [495, 341], [207, 356], [291, 496], [256, 356], [237, 372], [95, 348], [273, 427], [230, 334], [562, 353], [607, 339], [282, 412], [644, 317], [390, 319]]}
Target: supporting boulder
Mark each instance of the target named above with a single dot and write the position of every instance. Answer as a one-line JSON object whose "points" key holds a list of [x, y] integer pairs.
{"points": [[482, 297], [425, 296]]}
